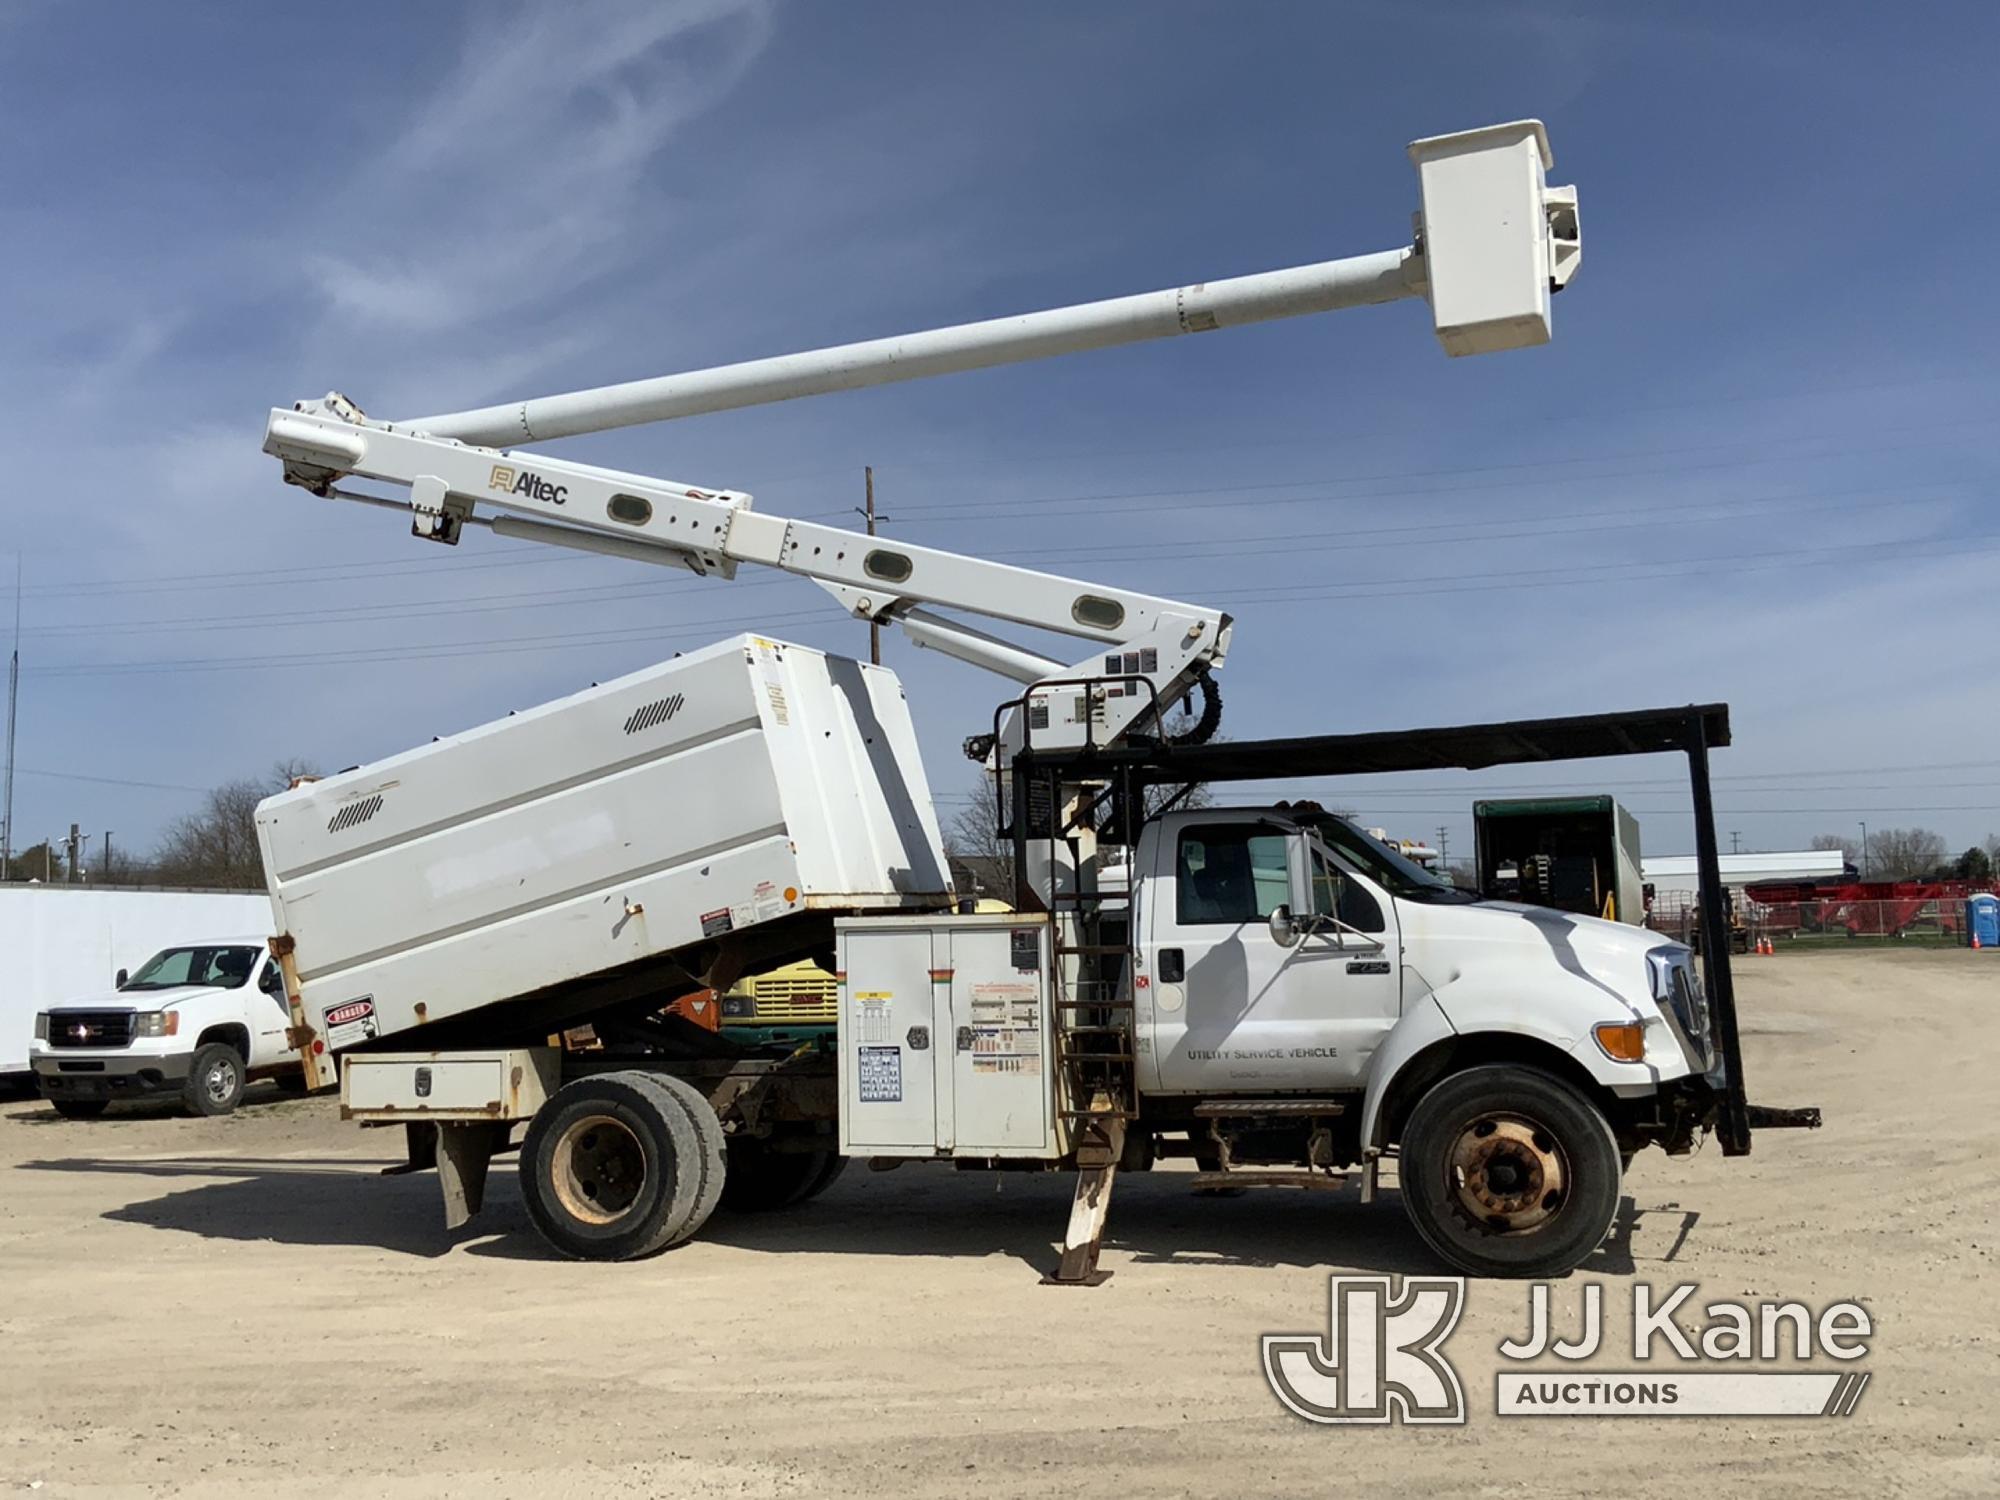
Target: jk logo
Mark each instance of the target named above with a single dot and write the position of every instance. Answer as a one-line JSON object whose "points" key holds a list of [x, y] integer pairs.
{"points": [[1380, 1359]]}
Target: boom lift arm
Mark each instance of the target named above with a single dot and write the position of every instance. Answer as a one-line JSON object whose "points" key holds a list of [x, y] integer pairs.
{"points": [[1493, 243]]}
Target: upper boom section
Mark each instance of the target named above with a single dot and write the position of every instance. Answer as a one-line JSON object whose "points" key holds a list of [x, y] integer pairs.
{"points": [[1493, 242]]}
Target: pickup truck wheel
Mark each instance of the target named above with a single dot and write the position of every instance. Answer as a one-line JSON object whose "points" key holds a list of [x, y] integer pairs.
{"points": [[1508, 1171], [80, 1109], [610, 1167], [214, 1081]]}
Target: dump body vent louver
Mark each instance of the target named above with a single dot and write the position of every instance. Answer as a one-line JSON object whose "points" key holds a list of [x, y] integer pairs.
{"points": [[355, 812], [656, 712]]}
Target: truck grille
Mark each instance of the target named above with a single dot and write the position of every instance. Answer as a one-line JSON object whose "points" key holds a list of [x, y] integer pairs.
{"points": [[90, 1028], [1691, 1009]]}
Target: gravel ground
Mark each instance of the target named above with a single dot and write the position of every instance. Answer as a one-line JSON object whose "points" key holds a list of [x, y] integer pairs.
{"points": [[242, 1306]]}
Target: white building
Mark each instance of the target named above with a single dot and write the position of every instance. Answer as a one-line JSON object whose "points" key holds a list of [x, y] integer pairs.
{"points": [[1668, 874]]}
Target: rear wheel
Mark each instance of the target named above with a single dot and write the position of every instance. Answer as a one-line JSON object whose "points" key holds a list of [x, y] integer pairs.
{"points": [[1508, 1171], [612, 1167], [828, 1176], [762, 1180], [710, 1161], [80, 1109], [215, 1080]]}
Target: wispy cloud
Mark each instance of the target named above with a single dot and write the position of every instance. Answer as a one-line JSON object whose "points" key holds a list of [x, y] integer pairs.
{"points": [[523, 173]]}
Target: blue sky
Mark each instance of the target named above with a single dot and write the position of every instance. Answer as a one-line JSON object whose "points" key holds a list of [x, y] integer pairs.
{"points": [[1756, 464]]}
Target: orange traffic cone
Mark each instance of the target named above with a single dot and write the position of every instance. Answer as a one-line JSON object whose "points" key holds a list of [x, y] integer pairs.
{"points": [[1975, 940]]}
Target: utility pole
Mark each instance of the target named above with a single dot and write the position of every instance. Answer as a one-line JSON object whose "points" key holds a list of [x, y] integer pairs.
{"points": [[75, 843], [1444, 847], [1864, 851], [106, 873], [1735, 842], [13, 698], [874, 630]]}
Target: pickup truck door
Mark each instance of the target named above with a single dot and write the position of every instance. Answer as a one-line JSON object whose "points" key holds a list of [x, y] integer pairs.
{"points": [[1226, 1007], [269, 1015]]}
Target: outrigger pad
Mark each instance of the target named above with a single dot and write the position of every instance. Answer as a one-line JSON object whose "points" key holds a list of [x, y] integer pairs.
{"points": [[1778, 1117]]}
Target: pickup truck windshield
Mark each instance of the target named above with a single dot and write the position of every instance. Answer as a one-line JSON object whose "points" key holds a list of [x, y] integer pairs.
{"points": [[223, 968], [1401, 877]]}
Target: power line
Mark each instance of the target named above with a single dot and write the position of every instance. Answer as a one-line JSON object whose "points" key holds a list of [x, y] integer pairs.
{"points": [[1008, 503]]}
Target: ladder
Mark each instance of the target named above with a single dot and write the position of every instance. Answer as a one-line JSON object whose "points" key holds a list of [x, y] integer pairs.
{"points": [[1094, 957]]}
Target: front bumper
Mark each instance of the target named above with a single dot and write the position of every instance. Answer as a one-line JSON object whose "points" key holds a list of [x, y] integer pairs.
{"points": [[125, 1075]]}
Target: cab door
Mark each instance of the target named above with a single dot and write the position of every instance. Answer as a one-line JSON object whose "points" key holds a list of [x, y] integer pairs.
{"points": [[1228, 1008], [269, 1015]]}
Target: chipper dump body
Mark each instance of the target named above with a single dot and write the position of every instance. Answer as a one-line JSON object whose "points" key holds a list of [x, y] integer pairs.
{"points": [[673, 827]]}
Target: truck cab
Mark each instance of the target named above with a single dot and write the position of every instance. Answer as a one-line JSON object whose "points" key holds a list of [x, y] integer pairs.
{"points": [[196, 1022], [1286, 960]]}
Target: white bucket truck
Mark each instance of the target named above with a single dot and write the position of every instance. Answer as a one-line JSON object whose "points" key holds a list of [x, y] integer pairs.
{"points": [[1267, 989]]}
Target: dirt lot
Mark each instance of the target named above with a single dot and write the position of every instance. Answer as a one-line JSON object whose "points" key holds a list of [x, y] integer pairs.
{"points": [[242, 1306]]}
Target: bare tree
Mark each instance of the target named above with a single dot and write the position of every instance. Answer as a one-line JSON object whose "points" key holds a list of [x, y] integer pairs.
{"points": [[1850, 850], [1904, 853], [216, 844], [982, 859]]}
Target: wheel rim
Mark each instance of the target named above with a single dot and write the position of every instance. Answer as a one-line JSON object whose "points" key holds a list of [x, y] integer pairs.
{"points": [[220, 1081], [1508, 1173], [599, 1169]]}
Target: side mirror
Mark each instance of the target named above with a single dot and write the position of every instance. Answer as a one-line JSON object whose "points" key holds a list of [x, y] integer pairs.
{"points": [[123, 975], [1283, 932]]}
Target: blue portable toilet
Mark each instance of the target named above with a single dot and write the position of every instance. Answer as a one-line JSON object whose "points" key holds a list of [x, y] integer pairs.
{"points": [[1982, 919]]}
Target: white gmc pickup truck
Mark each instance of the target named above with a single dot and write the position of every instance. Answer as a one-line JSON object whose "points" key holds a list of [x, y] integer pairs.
{"points": [[197, 1022]]}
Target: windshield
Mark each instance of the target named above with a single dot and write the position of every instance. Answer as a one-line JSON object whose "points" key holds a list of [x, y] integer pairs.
{"points": [[1402, 878], [219, 967]]}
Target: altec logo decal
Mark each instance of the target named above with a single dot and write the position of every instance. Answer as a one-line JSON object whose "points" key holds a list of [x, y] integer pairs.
{"points": [[512, 481], [1383, 1360]]}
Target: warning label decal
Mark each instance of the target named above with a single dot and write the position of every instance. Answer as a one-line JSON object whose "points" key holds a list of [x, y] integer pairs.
{"points": [[349, 1022], [880, 1074]]}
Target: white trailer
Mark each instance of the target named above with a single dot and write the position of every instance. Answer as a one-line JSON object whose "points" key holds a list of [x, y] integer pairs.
{"points": [[62, 942], [1266, 986]]}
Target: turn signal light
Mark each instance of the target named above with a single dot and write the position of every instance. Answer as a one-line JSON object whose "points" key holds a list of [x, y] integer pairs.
{"points": [[1622, 1041]]}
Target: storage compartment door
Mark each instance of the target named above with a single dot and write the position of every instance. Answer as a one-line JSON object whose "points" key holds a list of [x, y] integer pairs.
{"points": [[1002, 1058], [888, 1049]]}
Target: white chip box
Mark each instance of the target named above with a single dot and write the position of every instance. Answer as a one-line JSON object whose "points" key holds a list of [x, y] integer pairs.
{"points": [[745, 783], [945, 1041]]}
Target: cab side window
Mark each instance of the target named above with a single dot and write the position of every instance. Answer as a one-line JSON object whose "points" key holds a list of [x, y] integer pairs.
{"points": [[272, 981], [1338, 895], [1229, 874]]}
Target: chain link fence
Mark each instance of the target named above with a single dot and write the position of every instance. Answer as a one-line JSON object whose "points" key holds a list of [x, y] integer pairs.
{"points": [[1937, 921]]}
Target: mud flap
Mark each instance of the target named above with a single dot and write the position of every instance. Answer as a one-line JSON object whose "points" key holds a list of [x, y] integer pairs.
{"points": [[464, 1151]]}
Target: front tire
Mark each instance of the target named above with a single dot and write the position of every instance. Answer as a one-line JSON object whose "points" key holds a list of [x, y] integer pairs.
{"points": [[80, 1109], [1509, 1171], [215, 1080]]}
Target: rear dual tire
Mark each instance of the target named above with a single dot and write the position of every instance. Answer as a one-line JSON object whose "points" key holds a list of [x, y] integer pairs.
{"points": [[763, 1181], [622, 1165]]}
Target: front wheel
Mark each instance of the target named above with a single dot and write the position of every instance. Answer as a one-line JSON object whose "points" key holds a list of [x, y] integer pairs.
{"points": [[215, 1080], [1509, 1171]]}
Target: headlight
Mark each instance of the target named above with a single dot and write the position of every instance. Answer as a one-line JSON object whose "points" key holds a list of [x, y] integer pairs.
{"points": [[41, 1026], [156, 1023]]}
